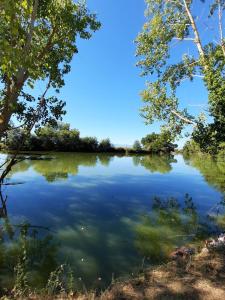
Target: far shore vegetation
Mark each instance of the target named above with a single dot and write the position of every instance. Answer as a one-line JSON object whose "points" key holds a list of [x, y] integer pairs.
{"points": [[62, 138]]}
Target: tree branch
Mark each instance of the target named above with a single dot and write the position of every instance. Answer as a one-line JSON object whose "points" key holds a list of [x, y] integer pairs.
{"points": [[14, 160], [31, 27], [186, 120], [21, 75], [220, 17], [184, 39], [197, 75], [48, 44], [175, 2], [195, 30]]}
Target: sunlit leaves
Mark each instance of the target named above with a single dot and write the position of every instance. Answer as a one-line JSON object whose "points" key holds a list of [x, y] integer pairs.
{"points": [[38, 41], [168, 24]]}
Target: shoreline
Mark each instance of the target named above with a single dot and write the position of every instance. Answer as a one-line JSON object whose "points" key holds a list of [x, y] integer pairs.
{"points": [[119, 152], [199, 275]]}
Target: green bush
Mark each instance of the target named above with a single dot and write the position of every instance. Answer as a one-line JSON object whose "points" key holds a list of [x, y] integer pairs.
{"points": [[221, 152], [156, 143], [58, 138], [191, 147], [105, 145], [137, 146]]}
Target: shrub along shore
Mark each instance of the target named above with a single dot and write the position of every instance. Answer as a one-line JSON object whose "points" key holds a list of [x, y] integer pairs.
{"points": [[63, 138]]}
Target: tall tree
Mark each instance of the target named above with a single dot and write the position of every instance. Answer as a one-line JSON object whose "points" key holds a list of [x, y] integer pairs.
{"points": [[37, 42], [173, 21]]}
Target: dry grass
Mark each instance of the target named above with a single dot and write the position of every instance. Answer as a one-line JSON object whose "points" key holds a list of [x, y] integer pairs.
{"points": [[201, 277]]}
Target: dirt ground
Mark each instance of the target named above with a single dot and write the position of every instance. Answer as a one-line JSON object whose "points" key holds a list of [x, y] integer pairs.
{"points": [[199, 277]]}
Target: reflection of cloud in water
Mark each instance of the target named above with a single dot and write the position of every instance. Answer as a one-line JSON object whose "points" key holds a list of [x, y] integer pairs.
{"points": [[53, 218], [79, 185], [101, 236], [82, 182], [87, 249], [105, 201]]}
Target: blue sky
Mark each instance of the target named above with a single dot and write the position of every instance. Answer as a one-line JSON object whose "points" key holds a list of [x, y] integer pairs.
{"points": [[103, 89]]}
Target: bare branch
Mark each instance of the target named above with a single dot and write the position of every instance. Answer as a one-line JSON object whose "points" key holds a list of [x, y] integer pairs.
{"points": [[14, 159], [197, 75], [195, 30], [186, 120], [3, 164], [188, 78], [183, 39], [21, 75], [220, 16], [31, 29]]}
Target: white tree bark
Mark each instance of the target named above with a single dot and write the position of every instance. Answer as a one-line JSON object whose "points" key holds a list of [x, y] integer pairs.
{"points": [[197, 39]]}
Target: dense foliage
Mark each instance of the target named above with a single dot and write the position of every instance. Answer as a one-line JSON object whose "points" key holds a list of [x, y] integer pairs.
{"points": [[137, 146], [62, 138], [105, 145], [170, 22], [156, 143], [213, 170], [193, 146], [38, 41], [58, 138]]}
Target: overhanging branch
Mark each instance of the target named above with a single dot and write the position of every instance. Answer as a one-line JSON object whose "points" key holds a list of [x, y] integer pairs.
{"points": [[186, 120]]}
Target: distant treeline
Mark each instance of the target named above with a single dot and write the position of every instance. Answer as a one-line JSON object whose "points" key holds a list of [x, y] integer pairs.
{"points": [[58, 138], [63, 138]]}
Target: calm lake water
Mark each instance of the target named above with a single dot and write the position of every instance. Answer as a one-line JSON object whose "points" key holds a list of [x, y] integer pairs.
{"points": [[105, 216]]}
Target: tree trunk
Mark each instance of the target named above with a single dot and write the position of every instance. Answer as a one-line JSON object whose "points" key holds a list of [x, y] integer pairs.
{"points": [[195, 30], [220, 17], [9, 103]]}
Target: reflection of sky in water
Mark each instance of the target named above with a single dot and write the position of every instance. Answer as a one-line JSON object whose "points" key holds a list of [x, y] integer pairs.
{"points": [[93, 206]]}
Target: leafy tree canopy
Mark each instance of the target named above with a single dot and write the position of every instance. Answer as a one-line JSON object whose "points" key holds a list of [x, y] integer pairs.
{"points": [[105, 145], [59, 138], [173, 21], [137, 146], [38, 41], [155, 142]]}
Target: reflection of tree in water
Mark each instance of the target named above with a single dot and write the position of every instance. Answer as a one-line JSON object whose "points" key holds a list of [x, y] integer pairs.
{"points": [[27, 245], [155, 163], [59, 166], [213, 170], [169, 225], [105, 158]]}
